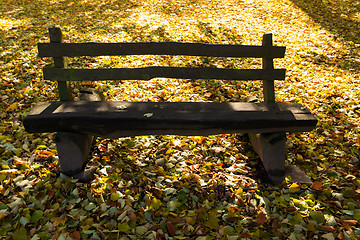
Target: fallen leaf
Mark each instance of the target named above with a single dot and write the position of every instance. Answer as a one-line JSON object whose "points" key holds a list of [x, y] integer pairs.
{"points": [[294, 187], [328, 228], [245, 235], [316, 185], [328, 236], [12, 107], [261, 218], [171, 228], [317, 216], [350, 222], [141, 230], [132, 216], [75, 235], [37, 215], [124, 227], [213, 222], [148, 115], [20, 234]]}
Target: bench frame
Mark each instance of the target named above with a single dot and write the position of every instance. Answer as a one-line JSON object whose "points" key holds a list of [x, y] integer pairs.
{"points": [[74, 145]]}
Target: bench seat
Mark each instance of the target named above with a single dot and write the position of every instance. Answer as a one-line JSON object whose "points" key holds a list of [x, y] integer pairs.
{"points": [[114, 119]]}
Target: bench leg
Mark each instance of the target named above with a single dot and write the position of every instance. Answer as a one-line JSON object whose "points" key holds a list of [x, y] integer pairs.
{"points": [[73, 151], [271, 147], [74, 148]]}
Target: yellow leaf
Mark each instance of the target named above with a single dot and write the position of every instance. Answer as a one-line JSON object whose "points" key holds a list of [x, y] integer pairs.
{"points": [[41, 147], [169, 151], [12, 107], [294, 187], [155, 203], [114, 196], [57, 220], [239, 192]]}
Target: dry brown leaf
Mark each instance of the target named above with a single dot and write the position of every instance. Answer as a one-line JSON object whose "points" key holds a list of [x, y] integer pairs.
{"points": [[75, 235], [328, 228], [171, 228], [132, 216], [261, 218], [316, 185], [350, 222]]}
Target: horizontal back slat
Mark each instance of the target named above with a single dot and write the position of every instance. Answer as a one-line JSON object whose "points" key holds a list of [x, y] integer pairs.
{"points": [[147, 73], [158, 48]]}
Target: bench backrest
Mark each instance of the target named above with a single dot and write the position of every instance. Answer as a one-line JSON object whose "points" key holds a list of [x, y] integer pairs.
{"points": [[59, 50]]}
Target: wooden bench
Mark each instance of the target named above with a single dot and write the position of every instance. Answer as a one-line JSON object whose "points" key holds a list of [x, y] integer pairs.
{"points": [[76, 122]]}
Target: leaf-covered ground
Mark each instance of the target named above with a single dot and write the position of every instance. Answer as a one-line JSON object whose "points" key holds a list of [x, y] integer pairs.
{"points": [[168, 187]]}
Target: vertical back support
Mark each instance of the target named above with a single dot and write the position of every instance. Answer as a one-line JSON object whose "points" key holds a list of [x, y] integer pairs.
{"points": [[73, 148], [272, 152], [268, 64], [60, 62]]}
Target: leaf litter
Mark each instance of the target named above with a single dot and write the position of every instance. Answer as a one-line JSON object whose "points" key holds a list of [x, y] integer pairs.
{"points": [[170, 187]]}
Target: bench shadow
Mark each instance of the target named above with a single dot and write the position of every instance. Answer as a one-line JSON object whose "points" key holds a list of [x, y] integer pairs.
{"points": [[81, 12], [338, 18], [341, 20]]}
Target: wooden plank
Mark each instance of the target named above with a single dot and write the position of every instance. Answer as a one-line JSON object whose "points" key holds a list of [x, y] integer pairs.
{"points": [[148, 73], [271, 153], [116, 119], [268, 64], [158, 48], [64, 87]]}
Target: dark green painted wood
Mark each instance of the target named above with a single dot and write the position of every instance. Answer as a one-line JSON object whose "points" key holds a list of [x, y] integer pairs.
{"points": [[148, 73], [64, 87], [158, 48], [268, 65]]}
